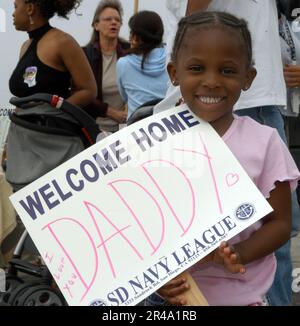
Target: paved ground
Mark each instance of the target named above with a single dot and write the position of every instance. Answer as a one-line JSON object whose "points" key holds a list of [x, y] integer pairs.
{"points": [[296, 263]]}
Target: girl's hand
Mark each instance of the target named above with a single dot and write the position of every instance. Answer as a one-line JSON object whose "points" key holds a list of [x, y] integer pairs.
{"points": [[229, 257], [226, 255], [292, 75], [173, 291]]}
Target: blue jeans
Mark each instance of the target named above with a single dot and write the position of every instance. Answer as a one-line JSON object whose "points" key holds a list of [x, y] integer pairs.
{"points": [[280, 294]]}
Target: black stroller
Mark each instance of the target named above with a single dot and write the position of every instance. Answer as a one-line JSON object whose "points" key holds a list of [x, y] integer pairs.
{"points": [[56, 131], [144, 111]]}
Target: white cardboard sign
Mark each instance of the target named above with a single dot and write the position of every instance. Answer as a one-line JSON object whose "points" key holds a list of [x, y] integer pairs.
{"points": [[122, 218]]}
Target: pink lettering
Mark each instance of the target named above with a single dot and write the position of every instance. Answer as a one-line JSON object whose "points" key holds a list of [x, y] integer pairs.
{"points": [[154, 247], [48, 258], [184, 229], [67, 288], [57, 276], [103, 242], [211, 169], [86, 285], [232, 179]]}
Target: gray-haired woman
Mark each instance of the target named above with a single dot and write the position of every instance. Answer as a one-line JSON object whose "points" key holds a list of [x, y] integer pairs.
{"points": [[103, 51]]}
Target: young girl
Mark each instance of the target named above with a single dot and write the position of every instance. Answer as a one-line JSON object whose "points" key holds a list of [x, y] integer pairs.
{"points": [[212, 63]]}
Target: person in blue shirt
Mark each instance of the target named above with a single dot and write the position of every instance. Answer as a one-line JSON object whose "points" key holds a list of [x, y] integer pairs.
{"points": [[141, 75]]}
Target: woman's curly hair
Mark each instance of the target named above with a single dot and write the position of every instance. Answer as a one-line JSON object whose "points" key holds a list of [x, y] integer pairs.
{"points": [[48, 8]]}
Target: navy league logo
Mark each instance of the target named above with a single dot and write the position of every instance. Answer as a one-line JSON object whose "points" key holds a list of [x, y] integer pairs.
{"points": [[245, 211], [98, 303]]}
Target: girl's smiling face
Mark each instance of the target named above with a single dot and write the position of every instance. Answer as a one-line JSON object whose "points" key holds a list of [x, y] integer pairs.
{"points": [[212, 69]]}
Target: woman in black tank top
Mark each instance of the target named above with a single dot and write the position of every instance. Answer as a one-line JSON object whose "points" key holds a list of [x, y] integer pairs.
{"points": [[32, 76], [51, 60]]}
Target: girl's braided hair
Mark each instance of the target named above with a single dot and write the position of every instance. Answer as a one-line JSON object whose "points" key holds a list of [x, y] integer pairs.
{"points": [[48, 8], [213, 19]]}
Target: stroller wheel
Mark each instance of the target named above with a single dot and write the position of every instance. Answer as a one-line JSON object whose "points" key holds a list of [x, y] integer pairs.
{"points": [[17, 292], [41, 295], [12, 282]]}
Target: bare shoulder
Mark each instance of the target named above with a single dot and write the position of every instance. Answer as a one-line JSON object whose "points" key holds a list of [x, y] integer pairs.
{"points": [[62, 40], [24, 47], [57, 48]]}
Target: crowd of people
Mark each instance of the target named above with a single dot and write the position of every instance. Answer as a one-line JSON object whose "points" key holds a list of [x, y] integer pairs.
{"points": [[236, 65]]}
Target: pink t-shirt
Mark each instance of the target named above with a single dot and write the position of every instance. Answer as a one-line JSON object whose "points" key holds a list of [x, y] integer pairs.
{"points": [[266, 159]]}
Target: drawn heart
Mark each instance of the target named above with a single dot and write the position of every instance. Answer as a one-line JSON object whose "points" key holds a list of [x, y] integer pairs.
{"points": [[232, 179]]}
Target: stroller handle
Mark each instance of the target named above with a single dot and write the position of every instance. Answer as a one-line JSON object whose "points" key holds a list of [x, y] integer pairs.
{"points": [[53, 100], [20, 101], [90, 128]]}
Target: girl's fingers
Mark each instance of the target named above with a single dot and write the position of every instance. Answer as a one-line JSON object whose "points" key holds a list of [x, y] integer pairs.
{"points": [[242, 269], [236, 267], [293, 74], [223, 248], [178, 301], [178, 290], [175, 282], [292, 85], [292, 69], [230, 261], [174, 288], [223, 245], [290, 73], [239, 269], [175, 295], [292, 80], [229, 250], [233, 258]]}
